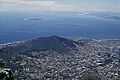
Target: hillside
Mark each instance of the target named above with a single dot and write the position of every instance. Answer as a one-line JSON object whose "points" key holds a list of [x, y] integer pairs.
{"points": [[58, 44], [61, 58]]}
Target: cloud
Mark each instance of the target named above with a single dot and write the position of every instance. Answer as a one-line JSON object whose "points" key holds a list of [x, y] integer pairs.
{"points": [[37, 0], [38, 5], [60, 5]]}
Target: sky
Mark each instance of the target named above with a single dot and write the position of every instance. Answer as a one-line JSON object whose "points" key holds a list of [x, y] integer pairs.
{"points": [[60, 5]]}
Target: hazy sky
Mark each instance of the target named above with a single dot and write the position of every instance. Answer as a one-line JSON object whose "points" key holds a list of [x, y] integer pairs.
{"points": [[60, 5]]}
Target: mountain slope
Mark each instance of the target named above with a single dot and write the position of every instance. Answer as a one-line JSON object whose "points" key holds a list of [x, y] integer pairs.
{"points": [[84, 59], [58, 44]]}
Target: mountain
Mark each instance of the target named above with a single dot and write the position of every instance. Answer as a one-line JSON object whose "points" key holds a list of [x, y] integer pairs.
{"points": [[58, 44], [54, 42], [57, 58]]}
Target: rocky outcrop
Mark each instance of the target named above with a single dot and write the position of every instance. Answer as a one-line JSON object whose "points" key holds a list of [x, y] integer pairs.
{"points": [[5, 73]]}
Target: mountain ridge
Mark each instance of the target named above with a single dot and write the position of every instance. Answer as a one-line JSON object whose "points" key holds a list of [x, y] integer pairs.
{"points": [[58, 44]]}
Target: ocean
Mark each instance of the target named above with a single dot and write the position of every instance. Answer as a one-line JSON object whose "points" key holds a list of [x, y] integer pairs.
{"points": [[15, 26]]}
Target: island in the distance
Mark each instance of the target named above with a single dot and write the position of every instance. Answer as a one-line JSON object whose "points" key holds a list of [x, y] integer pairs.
{"points": [[106, 16], [114, 17], [33, 19]]}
